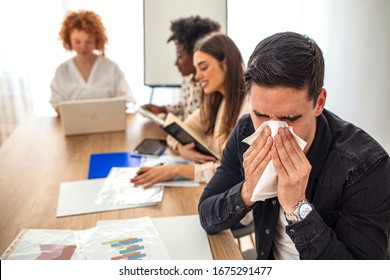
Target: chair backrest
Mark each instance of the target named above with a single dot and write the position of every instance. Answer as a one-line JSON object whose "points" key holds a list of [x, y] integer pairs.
{"points": [[243, 231]]}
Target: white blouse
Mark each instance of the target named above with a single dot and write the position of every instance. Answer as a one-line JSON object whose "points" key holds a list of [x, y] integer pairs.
{"points": [[105, 80]]}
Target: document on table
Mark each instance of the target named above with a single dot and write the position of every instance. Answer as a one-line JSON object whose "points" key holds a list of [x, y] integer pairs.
{"points": [[136, 239], [44, 244], [131, 240], [117, 189], [78, 197], [183, 236]]}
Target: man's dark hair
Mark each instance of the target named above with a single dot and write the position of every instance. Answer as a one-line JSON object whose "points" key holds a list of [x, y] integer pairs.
{"points": [[287, 59], [187, 31]]}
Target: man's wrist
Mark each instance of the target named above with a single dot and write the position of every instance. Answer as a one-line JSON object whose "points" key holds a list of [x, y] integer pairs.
{"points": [[246, 195], [301, 211]]}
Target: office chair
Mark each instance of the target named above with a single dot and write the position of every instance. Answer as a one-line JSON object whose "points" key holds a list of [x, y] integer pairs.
{"points": [[249, 254], [244, 231]]}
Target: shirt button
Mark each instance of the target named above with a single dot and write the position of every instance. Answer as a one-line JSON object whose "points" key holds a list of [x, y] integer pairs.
{"points": [[267, 231], [273, 201], [238, 208], [219, 218], [291, 231]]}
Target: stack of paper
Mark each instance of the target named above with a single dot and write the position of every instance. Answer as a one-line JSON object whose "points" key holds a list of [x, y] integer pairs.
{"points": [[178, 238]]}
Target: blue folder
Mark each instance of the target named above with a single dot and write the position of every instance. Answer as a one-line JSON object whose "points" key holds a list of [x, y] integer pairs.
{"points": [[101, 164]]}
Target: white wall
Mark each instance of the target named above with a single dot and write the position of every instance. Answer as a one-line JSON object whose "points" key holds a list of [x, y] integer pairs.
{"points": [[355, 38], [158, 15], [353, 34], [358, 60]]}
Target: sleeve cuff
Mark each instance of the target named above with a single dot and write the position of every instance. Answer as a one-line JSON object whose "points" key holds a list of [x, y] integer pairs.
{"points": [[172, 143], [204, 172], [307, 230]]}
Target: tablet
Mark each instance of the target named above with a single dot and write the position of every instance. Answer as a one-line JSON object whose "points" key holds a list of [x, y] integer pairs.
{"points": [[151, 147]]}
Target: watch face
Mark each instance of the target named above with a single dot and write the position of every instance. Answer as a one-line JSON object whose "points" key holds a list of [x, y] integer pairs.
{"points": [[304, 210]]}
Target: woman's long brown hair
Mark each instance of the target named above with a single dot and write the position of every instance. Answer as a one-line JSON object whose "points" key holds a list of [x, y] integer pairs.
{"points": [[221, 47]]}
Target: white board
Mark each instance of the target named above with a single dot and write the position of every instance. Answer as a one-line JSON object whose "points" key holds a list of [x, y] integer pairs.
{"points": [[160, 56]]}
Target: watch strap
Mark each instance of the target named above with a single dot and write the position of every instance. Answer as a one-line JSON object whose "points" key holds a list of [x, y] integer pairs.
{"points": [[294, 217]]}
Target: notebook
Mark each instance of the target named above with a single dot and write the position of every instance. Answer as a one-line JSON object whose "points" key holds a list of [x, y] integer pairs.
{"points": [[93, 115], [101, 164]]}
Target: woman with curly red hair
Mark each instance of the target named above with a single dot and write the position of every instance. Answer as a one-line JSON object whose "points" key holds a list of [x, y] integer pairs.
{"points": [[89, 74]]}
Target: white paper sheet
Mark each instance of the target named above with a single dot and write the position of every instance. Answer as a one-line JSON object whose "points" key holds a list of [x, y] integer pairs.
{"points": [[183, 236], [135, 239], [119, 240], [40, 244], [78, 197], [117, 189]]}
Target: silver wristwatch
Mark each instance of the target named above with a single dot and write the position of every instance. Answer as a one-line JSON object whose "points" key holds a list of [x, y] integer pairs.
{"points": [[301, 211]]}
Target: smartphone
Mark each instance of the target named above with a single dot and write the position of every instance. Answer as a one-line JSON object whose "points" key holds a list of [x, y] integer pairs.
{"points": [[150, 147]]}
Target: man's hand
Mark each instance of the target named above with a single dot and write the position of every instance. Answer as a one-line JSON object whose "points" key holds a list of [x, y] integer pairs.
{"points": [[256, 159], [293, 169]]}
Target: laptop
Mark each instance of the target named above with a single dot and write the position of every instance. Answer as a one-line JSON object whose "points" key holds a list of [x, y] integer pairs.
{"points": [[93, 115]]}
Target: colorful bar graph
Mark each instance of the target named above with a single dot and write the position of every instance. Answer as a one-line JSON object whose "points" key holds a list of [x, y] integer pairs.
{"points": [[121, 243], [127, 248], [118, 241], [137, 257], [134, 255]]}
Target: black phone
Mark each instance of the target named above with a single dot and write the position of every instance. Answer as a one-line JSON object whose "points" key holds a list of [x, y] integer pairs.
{"points": [[150, 147]]}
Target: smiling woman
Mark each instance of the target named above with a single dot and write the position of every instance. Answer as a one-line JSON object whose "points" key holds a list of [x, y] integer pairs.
{"points": [[87, 75], [220, 70], [30, 50]]}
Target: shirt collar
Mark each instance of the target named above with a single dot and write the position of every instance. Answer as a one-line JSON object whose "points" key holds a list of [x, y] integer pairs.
{"points": [[320, 148]]}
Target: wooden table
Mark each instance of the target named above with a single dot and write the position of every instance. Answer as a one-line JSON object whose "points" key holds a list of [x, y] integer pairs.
{"points": [[37, 157]]}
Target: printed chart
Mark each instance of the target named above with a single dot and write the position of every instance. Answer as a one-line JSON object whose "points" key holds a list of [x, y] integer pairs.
{"points": [[128, 248]]}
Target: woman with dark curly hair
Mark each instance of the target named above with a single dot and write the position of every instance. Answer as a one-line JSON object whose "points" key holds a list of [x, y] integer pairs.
{"points": [[87, 75], [185, 32]]}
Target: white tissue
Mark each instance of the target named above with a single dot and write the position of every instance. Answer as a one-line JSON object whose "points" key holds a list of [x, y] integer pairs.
{"points": [[267, 185]]}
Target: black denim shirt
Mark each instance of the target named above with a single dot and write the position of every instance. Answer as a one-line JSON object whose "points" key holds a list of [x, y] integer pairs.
{"points": [[349, 186]]}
